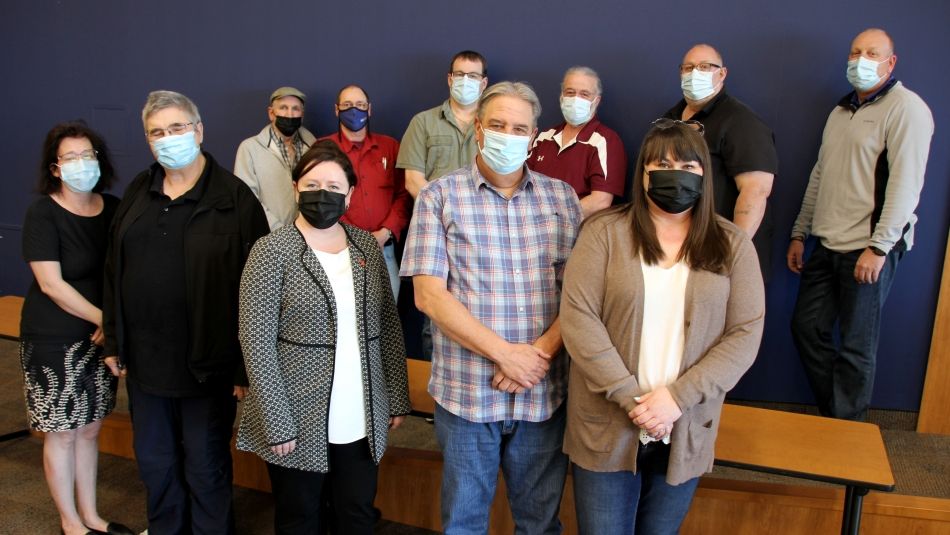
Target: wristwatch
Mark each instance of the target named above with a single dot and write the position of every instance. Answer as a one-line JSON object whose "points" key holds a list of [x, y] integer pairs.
{"points": [[877, 251]]}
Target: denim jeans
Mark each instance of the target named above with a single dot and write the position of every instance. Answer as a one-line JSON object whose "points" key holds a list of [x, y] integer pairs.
{"points": [[530, 457], [840, 369], [389, 255], [622, 503]]}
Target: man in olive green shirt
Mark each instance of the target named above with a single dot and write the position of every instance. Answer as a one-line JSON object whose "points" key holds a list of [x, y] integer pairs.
{"points": [[440, 140]]}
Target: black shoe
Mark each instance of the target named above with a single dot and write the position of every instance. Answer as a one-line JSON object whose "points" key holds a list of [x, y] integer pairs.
{"points": [[113, 528]]}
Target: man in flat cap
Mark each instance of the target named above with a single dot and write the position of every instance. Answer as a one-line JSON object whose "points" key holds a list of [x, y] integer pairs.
{"points": [[264, 161]]}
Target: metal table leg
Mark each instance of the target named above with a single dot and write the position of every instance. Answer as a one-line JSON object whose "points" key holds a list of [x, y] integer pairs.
{"points": [[15, 434], [851, 515]]}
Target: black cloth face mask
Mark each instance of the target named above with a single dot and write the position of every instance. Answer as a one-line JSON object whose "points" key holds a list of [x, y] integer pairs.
{"points": [[322, 208], [288, 126], [675, 190]]}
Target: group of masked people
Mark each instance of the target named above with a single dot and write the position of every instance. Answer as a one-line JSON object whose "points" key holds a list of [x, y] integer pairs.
{"points": [[564, 331]]}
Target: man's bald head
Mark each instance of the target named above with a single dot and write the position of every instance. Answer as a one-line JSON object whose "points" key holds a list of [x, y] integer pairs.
{"points": [[876, 38], [704, 51]]}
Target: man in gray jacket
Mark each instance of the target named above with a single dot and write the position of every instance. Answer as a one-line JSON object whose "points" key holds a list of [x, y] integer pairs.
{"points": [[860, 203], [264, 162]]}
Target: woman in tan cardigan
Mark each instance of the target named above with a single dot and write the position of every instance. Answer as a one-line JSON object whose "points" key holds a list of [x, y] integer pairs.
{"points": [[661, 312]]}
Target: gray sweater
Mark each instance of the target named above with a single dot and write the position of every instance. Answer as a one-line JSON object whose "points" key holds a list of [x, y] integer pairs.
{"points": [[866, 184], [259, 164]]}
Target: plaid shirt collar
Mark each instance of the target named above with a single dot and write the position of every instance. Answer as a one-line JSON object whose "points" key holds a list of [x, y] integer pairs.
{"points": [[480, 180], [299, 147]]}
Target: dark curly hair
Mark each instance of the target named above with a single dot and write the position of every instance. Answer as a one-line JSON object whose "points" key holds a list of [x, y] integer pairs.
{"points": [[49, 183]]}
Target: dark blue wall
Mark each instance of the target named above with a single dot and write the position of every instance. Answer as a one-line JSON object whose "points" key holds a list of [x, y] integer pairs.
{"points": [[97, 60]]}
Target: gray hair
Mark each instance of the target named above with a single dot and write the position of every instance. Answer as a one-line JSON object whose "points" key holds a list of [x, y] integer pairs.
{"points": [[159, 100], [586, 71], [511, 89]]}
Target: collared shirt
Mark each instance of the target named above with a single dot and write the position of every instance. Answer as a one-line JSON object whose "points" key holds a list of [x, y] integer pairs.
{"points": [[434, 144], [502, 259], [277, 145], [154, 293], [594, 160], [852, 101], [380, 199], [739, 142]]}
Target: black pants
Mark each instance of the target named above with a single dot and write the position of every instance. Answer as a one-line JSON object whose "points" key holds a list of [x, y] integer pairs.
{"points": [[351, 481], [183, 450]]}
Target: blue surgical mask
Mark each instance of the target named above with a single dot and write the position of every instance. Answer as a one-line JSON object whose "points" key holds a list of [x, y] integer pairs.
{"points": [[862, 73], [354, 119], [697, 85], [576, 110], [80, 175], [504, 153], [466, 91], [175, 152]]}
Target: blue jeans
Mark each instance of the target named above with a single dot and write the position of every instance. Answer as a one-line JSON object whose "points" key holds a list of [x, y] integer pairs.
{"points": [[389, 255], [529, 454], [621, 503], [840, 369]]}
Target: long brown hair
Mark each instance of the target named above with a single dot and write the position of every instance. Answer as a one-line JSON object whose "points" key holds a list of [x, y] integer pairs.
{"points": [[706, 246]]}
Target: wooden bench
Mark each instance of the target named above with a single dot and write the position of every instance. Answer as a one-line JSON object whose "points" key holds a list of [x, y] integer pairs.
{"points": [[10, 308], [783, 443]]}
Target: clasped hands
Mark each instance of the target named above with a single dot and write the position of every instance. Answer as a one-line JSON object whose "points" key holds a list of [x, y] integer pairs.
{"points": [[519, 367], [655, 413]]}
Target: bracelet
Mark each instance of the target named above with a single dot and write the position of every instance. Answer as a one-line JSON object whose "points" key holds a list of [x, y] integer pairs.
{"points": [[798, 238]]}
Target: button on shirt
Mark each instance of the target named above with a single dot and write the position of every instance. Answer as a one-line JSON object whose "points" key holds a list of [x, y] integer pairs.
{"points": [[154, 298], [503, 260], [380, 199]]}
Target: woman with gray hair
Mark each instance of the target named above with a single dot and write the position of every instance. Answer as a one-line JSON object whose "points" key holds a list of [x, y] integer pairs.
{"points": [[179, 241]]}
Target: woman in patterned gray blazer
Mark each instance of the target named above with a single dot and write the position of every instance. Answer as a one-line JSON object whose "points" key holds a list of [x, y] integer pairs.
{"points": [[324, 353]]}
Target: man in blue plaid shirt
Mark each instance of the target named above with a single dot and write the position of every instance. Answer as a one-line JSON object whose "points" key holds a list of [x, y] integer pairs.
{"points": [[486, 249]]}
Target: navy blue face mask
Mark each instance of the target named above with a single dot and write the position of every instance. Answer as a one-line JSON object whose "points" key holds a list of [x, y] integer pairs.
{"points": [[354, 119]]}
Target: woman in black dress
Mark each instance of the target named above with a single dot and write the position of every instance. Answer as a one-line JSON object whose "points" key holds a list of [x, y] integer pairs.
{"points": [[68, 388]]}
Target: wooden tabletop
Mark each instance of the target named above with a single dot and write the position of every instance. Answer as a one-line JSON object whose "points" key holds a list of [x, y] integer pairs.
{"points": [[805, 446], [10, 307]]}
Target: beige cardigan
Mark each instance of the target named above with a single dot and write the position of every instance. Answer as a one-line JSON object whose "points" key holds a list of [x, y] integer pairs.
{"points": [[601, 317]]}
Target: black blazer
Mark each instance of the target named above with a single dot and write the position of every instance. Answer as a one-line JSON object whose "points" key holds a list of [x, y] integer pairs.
{"points": [[226, 222]]}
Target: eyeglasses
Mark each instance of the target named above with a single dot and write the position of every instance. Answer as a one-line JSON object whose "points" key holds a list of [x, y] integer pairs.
{"points": [[346, 104], [665, 123], [705, 66], [174, 129], [476, 76], [89, 155]]}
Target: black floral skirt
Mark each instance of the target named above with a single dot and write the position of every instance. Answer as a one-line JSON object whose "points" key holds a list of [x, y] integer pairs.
{"points": [[66, 384]]}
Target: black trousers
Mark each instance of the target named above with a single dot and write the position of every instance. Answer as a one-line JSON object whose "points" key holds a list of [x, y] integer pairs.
{"points": [[183, 450], [351, 481]]}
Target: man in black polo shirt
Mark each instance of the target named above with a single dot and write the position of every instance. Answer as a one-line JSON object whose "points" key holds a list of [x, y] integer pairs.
{"points": [[178, 244], [742, 146]]}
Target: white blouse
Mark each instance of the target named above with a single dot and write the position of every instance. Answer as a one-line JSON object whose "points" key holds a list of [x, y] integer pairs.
{"points": [[347, 417], [663, 336]]}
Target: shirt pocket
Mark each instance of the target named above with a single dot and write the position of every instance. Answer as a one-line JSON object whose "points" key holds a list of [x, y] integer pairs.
{"points": [[438, 154], [552, 233]]}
